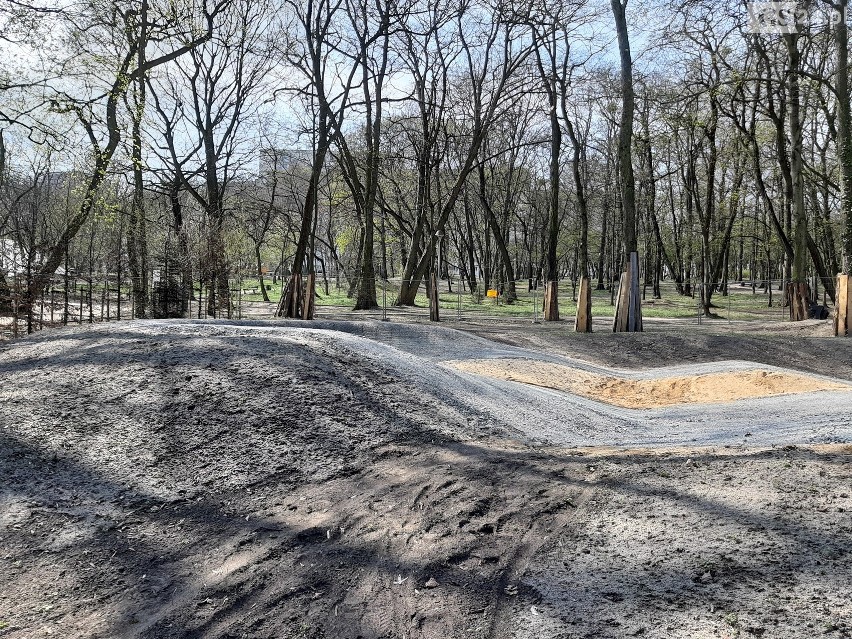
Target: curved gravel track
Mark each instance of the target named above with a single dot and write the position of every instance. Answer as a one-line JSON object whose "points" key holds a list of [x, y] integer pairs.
{"points": [[558, 418]]}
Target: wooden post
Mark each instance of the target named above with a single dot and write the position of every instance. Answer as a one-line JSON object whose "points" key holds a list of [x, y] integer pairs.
{"points": [[798, 297], [240, 298], [619, 321], [583, 323], [16, 298], [634, 320], [296, 296], [103, 298], [66, 310], [849, 305], [843, 306]]}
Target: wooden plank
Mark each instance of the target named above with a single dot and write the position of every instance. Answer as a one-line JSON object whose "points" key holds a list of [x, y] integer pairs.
{"points": [[841, 306], [634, 319], [551, 302], [616, 318], [295, 295], [545, 300], [796, 295], [583, 323], [308, 302], [849, 305], [839, 303], [628, 285], [624, 301], [619, 324]]}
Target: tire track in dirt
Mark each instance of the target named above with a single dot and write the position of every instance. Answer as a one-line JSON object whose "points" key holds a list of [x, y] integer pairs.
{"points": [[448, 529], [533, 541]]}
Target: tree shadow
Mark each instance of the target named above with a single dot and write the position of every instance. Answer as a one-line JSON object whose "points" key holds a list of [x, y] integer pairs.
{"points": [[207, 505]]}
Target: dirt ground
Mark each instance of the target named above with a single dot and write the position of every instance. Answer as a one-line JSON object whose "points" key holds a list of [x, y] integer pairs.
{"points": [[209, 481]]}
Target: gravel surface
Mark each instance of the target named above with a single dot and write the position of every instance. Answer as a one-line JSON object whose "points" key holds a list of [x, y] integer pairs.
{"points": [[333, 479], [546, 416]]}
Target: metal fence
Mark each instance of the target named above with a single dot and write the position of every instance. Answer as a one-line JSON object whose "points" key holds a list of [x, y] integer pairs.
{"points": [[732, 301], [90, 299]]}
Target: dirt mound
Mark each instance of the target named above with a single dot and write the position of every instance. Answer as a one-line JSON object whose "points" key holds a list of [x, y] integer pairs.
{"points": [[781, 345], [649, 393], [178, 407], [151, 467]]}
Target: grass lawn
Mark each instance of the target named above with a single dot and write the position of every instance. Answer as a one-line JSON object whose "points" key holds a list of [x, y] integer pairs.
{"points": [[739, 304]]}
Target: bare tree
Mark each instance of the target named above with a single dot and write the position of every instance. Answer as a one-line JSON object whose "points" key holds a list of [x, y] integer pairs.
{"points": [[493, 52], [629, 310], [312, 43], [98, 112], [215, 90], [552, 30], [844, 126], [370, 24]]}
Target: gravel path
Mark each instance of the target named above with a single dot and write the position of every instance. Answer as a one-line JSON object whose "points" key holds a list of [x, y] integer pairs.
{"points": [[558, 418]]}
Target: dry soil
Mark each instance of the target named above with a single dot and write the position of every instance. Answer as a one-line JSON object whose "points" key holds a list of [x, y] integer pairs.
{"points": [[210, 480]]}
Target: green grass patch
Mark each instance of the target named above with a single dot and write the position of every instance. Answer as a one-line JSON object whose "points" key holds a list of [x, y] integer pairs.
{"points": [[739, 304]]}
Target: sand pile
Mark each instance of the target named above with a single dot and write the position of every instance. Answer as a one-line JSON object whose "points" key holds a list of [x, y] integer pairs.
{"points": [[710, 388]]}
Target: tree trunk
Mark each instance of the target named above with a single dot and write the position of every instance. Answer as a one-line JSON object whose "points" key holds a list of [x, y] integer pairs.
{"points": [[291, 303], [630, 307], [844, 132], [551, 295], [583, 323], [602, 249], [137, 242], [510, 294], [259, 263], [187, 291], [798, 286]]}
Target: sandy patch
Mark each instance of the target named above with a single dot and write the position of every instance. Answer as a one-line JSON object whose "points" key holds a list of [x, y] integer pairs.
{"points": [[711, 388]]}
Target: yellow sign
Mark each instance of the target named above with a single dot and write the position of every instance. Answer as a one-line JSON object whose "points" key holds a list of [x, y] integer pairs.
{"points": [[492, 292]]}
